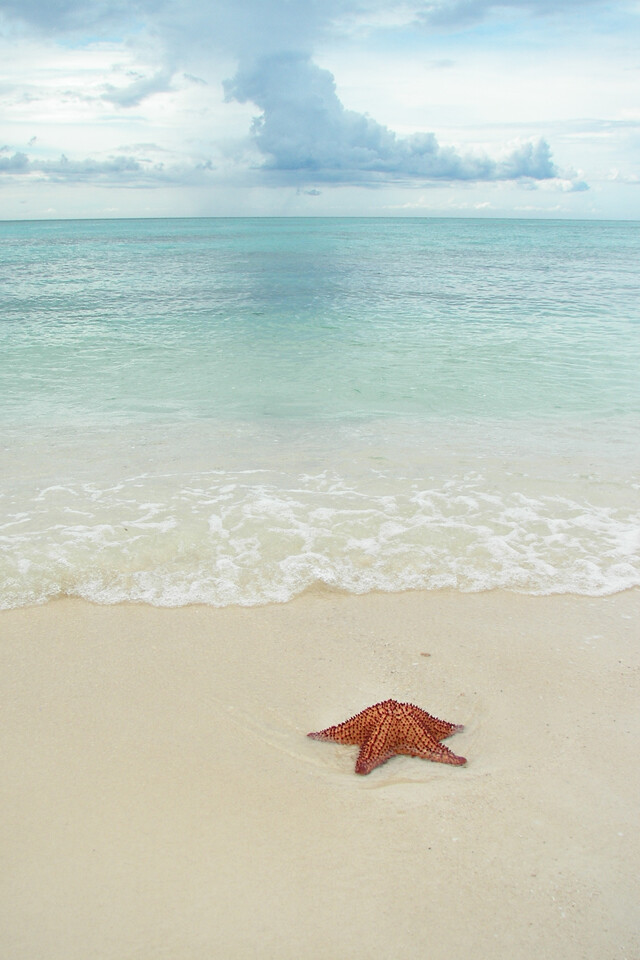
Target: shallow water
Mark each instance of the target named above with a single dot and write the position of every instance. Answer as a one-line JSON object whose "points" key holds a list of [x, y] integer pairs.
{"points": [[228, 411]]}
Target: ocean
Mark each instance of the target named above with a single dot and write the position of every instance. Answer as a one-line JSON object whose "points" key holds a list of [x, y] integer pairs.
{"points": [[231, 411]]}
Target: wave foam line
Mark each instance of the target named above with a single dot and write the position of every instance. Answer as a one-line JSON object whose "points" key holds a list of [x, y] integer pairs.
{"points": [[230, 540]]}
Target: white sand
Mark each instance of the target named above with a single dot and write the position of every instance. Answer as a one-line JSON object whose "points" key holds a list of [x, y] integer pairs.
{"points": [[161, 800]]}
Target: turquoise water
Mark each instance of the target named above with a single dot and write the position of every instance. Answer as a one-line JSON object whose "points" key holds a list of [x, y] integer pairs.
{"points": [[230, 411]]}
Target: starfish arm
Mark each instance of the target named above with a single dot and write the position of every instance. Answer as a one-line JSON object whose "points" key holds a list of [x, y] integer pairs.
{"points": [[377, 748], [351, 731], [440, 729], [419, 743]]}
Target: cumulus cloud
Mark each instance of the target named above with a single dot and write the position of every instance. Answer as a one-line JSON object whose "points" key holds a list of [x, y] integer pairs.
{"points": [[17, 163], [304, 131]]}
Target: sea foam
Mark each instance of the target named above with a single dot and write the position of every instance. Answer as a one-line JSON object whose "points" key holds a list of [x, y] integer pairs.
{"points": [[248, 539]]}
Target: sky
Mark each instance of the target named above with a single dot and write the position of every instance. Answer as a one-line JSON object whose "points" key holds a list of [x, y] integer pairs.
{"points": [[469, 108]]}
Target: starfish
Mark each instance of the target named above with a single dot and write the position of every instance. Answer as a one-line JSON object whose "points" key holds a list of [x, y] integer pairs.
{"points": [[391, 728]]}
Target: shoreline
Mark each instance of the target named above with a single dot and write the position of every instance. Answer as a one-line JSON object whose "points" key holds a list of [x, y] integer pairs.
{"points": [[162, 798]]}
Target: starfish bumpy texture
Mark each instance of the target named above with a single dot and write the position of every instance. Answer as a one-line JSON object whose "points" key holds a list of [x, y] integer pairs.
{"points": [[391, 728]]}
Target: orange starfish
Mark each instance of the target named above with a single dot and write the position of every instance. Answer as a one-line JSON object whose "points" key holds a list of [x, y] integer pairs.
{"points": [[390, 728]]}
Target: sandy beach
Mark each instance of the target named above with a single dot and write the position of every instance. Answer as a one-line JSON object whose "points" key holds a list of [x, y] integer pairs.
{"points": [[161, 798]]}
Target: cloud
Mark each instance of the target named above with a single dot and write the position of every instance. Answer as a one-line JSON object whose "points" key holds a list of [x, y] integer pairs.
{"points": [[115, 168], [18, 163], [120, 170], [254, 28], [453, 13], [305, 133], [69, 15], [632, 179], [139, 89], [243, 28]]}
